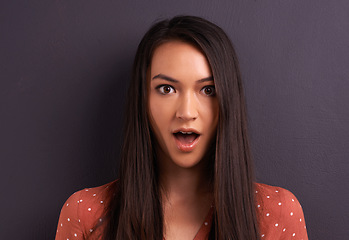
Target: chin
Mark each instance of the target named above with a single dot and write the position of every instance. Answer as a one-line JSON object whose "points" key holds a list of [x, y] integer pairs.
{"points": [[186, 161]]}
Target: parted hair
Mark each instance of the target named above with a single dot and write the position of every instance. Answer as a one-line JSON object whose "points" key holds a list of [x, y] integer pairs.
{"points": [[135, 209]]}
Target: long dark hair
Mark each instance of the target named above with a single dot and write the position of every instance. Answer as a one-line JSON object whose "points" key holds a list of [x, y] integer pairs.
{"points": [[135, 210]]}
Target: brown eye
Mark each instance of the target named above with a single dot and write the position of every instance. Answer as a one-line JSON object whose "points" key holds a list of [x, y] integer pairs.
{"points": [[166, 89], [209, 90]]}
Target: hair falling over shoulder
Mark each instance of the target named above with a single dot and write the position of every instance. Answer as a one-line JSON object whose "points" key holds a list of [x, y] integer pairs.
{"points": [[135, 209]]}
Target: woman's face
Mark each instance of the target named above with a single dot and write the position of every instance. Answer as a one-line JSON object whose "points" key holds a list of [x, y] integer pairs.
{"points": [[183, 108]]}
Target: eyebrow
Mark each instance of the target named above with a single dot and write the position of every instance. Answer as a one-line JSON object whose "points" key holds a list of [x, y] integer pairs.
{"points": [[167, 78]]}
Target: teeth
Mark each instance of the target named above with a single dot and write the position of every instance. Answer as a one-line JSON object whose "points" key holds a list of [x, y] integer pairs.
{"points": [[186, 132]]}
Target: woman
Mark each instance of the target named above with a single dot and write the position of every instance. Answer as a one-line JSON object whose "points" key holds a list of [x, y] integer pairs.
{"points": [[186, 170]]}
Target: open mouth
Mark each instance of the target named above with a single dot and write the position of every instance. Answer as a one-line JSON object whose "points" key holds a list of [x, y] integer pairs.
{"points": [[186, 138]]}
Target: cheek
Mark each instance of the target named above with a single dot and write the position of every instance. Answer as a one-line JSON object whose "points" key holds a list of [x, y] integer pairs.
{"points": [[159, 118], [159, 114], [211, 112]]}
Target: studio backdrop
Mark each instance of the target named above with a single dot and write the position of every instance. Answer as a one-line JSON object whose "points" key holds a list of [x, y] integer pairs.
{"points": [[64, 71]]}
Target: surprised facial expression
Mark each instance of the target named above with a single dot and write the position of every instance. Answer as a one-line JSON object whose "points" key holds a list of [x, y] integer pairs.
{"points": [[182, 106]]}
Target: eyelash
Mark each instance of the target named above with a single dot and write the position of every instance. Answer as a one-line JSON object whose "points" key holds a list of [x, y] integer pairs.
{"points": [[213, 90], [160, 89]]}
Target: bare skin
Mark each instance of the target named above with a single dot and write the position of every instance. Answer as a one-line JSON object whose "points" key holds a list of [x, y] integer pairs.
{"points": [[186, 202], [182, 98]]}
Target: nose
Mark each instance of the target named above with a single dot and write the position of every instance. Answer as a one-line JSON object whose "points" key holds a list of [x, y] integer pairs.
{"points": [[187, 107]]}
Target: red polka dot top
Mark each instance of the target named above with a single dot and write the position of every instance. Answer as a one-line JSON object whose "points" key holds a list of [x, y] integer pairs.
{"points": [[280, 215]]}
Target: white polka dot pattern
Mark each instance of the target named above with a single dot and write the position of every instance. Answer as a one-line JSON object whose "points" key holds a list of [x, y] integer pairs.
{"points": [[81, 214], [279, 208], [279, 212]]}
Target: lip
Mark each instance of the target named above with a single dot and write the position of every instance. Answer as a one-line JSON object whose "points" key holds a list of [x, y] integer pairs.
{"points": [[187, 130], [186, 147]]}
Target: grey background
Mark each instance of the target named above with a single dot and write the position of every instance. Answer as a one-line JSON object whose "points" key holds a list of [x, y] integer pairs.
{"points": [[64, 71]]}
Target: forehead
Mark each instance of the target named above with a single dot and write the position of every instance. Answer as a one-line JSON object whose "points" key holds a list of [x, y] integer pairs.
{"points": [[178, 57]]}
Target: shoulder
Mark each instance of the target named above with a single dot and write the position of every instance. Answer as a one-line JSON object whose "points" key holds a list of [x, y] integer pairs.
{"points": [[82, 211], [279, 213], [275, 198]]}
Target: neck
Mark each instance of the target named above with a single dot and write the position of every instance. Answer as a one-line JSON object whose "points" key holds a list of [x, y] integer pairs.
{"points": [[183, 184]]}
